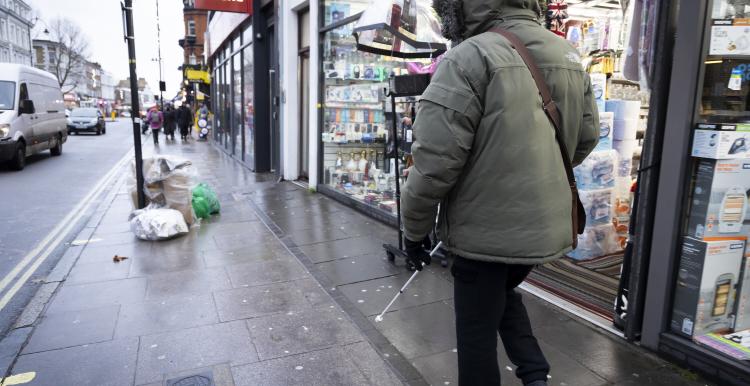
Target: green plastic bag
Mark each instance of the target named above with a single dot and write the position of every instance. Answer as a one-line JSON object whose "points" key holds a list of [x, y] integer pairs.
{"points": [[201, 207], [204, 191]]}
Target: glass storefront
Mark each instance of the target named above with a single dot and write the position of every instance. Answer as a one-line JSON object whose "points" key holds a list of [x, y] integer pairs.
{"points": [[234, 92], [356, 129], [711, 301]]}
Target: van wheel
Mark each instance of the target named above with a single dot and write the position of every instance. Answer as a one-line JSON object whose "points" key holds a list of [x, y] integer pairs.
{"points": [[57, 150], [19, 160]]}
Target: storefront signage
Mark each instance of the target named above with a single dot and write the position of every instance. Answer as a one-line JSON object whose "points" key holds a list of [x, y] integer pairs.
{"points": [[197, 76], [239, 6]]}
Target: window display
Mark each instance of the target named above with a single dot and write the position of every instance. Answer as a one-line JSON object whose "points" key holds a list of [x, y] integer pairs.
{"points": [[355, 131], [712, 291]]}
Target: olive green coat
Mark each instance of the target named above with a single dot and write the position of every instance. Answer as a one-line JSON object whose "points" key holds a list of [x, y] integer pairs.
{"points": [[484, 148]]}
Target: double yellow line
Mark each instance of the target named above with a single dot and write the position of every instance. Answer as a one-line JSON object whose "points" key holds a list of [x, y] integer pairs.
{"points": [[44, 248]]}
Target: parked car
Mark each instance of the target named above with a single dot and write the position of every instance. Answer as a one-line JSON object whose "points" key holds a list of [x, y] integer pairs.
{"points": [[87, 119], [32, 114], [125, 114]]}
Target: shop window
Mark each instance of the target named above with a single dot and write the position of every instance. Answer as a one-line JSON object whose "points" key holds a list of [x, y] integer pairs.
{"points": [[355, 128], [237, 122], [712, 291], [248, 95], [191, 27], [335, 11]]}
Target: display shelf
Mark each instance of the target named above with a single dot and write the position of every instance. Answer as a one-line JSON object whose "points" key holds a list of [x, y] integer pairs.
{"points": [[353, 106]]}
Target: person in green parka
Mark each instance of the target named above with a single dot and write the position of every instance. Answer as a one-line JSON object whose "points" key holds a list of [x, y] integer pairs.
{"points": [[486, 153]]}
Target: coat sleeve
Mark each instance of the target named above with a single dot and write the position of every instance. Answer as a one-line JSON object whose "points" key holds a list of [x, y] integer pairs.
{"points": [[589, 135], [449, 113]]}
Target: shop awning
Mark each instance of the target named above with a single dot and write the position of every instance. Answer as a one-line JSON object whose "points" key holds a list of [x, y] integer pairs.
{"points": [[407, 29]]}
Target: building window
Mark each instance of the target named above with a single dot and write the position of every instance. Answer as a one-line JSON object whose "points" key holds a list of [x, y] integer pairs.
{"points": [[39, 56], [193, 59], [2, 30], [191, 27], [52, 57]]}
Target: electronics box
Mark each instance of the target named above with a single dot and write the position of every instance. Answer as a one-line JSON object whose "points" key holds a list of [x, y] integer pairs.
{"points": [[706, 286], [719, 206], [718, 141]]}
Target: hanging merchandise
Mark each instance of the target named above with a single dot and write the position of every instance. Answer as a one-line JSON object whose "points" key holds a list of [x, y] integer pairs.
{"points": [[557, 16], [402, 29]]}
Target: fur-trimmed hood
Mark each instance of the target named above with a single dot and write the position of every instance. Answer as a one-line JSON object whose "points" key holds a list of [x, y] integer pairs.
{"points": [[463, 19]]}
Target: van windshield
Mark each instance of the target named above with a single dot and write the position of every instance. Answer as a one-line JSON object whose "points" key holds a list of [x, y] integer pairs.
{"points": [[7, 95]]}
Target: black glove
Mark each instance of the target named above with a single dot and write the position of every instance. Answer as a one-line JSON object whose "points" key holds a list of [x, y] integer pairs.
{"points": [[416, 255]]}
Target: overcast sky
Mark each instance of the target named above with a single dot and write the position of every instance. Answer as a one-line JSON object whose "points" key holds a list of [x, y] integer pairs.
{"points": [[101, 23]]}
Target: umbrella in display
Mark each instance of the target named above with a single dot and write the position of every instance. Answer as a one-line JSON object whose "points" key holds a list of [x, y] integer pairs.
{"points": [[406, 29]]}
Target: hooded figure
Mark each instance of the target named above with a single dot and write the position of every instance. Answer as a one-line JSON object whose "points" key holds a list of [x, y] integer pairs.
{"points": [[486, 153]]}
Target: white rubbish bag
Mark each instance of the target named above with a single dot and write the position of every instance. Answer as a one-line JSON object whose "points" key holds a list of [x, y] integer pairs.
{"points": [[155, 224]]}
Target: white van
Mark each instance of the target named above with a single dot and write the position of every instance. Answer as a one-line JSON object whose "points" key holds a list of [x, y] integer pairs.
{"points": [[32, 114]]}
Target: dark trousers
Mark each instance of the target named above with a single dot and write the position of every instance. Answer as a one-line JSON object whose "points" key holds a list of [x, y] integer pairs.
{"points": [[155, 133], [487, 303]]}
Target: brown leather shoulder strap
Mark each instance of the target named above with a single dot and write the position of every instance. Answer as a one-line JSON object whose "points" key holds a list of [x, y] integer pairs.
{"points": [[550, 107]]}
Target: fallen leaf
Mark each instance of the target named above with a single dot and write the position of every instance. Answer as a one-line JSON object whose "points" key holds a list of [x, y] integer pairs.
{"points": [[118, 259]]}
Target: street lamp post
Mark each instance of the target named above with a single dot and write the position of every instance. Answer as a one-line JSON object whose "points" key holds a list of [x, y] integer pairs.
{"points": [[127, 10], [158, 42]]}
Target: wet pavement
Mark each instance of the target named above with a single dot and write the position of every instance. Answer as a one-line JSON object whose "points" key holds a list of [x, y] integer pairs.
{"points": [[281, 288]]}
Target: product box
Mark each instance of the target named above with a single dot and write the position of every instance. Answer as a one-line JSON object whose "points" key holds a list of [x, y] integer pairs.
{"points": [[721, 141], [730, 37], [719, 206], [598, 206], [606, 127], [597, 171], [706, 286], [596, 241]]}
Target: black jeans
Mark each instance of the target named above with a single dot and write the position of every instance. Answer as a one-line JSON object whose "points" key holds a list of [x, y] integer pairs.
{"points": [[487, 302], [155, 133]]}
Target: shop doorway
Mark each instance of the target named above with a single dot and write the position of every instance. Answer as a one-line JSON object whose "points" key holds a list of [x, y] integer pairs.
{"points": [[304, 100]]}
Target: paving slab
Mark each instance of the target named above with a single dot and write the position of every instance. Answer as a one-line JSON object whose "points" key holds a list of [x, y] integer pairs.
{"points": [[266, 272], [194, 348], [303, 331], [360, 268], [341, 249], [11, 345], [371, 297], [75, 328], [104, 253], [102, 364], [252, 302], [187, 283], [170, 314], [165, 263], [241, 256], [99, 271], [85, 296], [357, 364], [420, 331]]}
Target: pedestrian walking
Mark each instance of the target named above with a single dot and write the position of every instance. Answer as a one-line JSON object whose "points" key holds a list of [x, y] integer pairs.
{"points": [[487, 153], [156, 121], [184, 121], [170, 121]]}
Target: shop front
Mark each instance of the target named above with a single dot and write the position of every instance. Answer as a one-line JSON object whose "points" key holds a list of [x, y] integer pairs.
{"points": [[241, 55], [697, 299]]}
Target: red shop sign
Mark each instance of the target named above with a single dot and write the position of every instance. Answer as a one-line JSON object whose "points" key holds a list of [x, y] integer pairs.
{"points": [[240, 6]]}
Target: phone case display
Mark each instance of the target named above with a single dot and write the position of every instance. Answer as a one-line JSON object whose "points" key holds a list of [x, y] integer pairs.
{"points": [[706, 286], [355, 123], [719, 203], [722, 141]]}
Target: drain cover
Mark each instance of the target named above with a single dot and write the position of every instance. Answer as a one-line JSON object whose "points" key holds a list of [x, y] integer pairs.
{"points": [[205, 379]]}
